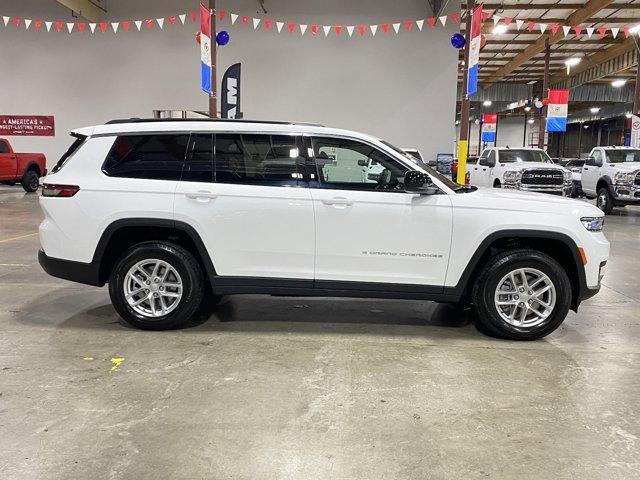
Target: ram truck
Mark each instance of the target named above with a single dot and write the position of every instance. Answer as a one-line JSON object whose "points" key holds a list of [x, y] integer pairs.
{"points": [[23, 168]]}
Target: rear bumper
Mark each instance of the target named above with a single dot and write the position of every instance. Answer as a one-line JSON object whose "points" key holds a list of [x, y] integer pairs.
{"points": [[87, 273]]}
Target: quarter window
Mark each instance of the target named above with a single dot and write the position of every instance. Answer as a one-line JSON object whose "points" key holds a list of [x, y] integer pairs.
{"points": [[157, 157], [347, 164]]}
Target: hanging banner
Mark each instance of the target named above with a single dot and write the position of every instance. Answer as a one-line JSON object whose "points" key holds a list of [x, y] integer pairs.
{"points": [[230, 102], [557, 110], [489, 124], [474, 51], [27, 125], [635, 131], [205, 49]]}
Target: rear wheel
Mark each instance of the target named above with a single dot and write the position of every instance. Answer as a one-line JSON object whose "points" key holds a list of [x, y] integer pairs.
{"points": [[30, 181], [156, 286], [605, 200], [521, 295]]}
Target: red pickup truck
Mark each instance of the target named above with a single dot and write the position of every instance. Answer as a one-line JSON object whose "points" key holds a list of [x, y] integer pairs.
{"points": [[26, 168]]}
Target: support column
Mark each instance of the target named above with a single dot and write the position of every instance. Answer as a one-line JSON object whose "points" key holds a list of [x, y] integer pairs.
{"points": [[545, 93], [213, 97], [463, 142], [524, 138], [636, 95]]}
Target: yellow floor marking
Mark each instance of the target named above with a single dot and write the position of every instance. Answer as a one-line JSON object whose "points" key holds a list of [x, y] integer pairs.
{"points": [[18, 238], [116, 361], [88, 359]]}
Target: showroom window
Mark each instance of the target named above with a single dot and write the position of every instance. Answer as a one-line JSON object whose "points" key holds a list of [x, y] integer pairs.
{"points": [[4, 147], [347, 164], [198, 165], [257, 159], [156, 157]]}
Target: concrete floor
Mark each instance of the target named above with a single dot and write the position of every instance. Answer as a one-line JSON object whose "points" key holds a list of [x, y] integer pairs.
{"points": [[273, 388]]}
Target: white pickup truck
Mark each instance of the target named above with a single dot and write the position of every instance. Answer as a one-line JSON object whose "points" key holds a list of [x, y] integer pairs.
{"points": [[527, 169], [612, 175]]}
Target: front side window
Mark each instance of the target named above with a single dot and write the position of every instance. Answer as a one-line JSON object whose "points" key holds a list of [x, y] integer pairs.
{"points": [[512, 156], [257, 159], [623, 156], [155, 156], [347, 164], [4, 147], [198, 164]]}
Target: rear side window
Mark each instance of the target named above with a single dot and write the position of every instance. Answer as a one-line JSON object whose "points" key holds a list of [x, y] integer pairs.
{"points": [[257, 159], [154, 157], [4, 147], [198, 165]]}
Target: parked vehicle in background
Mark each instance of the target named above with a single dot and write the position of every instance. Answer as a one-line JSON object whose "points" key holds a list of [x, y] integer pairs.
{"points": [[612, 175], [473, 159], [174, 213], [23, 168], [574, 165], [526, 169]]}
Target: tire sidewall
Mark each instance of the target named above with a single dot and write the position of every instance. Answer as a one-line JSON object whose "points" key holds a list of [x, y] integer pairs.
{"points": [[28, 180], [609, 200], [563, 297], [191, 287]]}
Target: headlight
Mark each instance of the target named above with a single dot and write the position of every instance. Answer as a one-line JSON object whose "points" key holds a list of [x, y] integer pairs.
{"points": [[567, 176], [512, 176], [624, 178], [593, 224]]}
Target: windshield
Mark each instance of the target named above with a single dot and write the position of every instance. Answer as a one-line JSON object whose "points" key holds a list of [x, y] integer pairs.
{"points": [[448, 182], [622, 156], [511, 156]]}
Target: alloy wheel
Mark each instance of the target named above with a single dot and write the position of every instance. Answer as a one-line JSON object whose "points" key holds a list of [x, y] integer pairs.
{"points": [[525, 297], [152, 288]]}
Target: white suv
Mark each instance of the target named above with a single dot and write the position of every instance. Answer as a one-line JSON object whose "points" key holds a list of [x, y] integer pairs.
{"points": [[526, 169], [612, 175], [171, 212]]}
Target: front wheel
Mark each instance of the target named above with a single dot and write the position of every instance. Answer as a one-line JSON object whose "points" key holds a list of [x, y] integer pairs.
{"points": [[30, 181], [156, 286], [605, 200], [521, 295]]}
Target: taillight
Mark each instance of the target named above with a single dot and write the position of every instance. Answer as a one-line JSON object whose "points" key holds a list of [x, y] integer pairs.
{"points": [[62, 191]]}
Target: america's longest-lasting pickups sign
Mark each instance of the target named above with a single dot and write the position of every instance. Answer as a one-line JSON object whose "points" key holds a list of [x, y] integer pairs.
{"points": [[27, 125]]}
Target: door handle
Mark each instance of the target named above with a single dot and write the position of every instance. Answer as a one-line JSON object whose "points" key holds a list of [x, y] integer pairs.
{"points": [[201, 195], [338, 201], [586, 168]]}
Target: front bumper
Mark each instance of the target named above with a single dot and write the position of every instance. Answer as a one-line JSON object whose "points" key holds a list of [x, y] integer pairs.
{"points": [[564, 189], [627, 194]]}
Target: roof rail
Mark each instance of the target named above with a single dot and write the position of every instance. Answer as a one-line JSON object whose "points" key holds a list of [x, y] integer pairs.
{"points": [[155, 120]]}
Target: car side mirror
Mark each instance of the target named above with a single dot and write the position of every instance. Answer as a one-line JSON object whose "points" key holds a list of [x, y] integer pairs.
{"points": [[487, 163], [433, 163], [592, 162], [420, 183]]}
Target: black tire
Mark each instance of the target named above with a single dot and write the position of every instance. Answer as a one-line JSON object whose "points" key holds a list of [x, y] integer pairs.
{"points": [[497, 184], [30, 181], [182, 261], [487, 318], [604, 200]]}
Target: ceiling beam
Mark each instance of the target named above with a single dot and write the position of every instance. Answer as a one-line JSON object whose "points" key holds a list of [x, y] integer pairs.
{"points": [[85, 8], [570, 41], [576, 18], [553, 6]]}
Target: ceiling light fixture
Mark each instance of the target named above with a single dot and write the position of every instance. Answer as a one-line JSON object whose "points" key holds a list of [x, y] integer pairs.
{"points": [[628, 114], [594, 109], [620, 82], [487, 103], [499, 29], [530, 121], [527, 108], [572, 62]]}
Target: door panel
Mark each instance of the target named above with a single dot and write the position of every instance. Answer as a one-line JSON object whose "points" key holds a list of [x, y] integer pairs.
{"points": [[8, 162], [590, 174]]}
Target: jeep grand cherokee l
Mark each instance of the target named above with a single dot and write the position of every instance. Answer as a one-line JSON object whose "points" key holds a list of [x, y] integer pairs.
{"points": [[169, 212]]}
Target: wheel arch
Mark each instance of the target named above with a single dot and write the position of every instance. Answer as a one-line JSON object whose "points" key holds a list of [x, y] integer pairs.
{"points": [[32, 167], [604, 182]]}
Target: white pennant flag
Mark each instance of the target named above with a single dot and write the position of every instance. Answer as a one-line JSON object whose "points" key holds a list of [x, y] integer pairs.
{"points": [[303, 28], [396, 27], [374, 29], [443, 20], [279, 26], [590, 31], [566, 30], [614, 31], [420, 24], [5, 20], [183, 17], [160, 22], [138, 24], [234, 17], [496, 19], [350, 29], [519, 24], [70, 26], [256, 22], [27, 23], [48, 25], [543, 27], [115, 26], [327, 29], [92, 27]]}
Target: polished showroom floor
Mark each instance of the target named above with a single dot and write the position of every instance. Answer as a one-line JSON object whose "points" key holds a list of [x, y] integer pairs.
{"points": [[284, 388]]}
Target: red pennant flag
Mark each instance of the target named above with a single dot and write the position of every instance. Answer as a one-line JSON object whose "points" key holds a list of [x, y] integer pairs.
{"points": [[245, 19], [507, 20], [531, 26], [172, 19], [126, 25], [59, 25], [314, 29], [626, 32], [267, 23], [431, 21], [103, 26], [578, 30], [338, 29], [38, 24], [291, 27], [485, 16], [602, 31], [15, 21], [385, 28], [194, 15], [408, 24], [455, 16], [361, 30], [554, 28], [222, 14], [81, 26], [148, 22]]}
